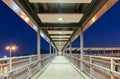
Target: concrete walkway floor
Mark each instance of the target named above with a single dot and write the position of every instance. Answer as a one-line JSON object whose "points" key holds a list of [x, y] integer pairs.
{"points": [[60, 68]]}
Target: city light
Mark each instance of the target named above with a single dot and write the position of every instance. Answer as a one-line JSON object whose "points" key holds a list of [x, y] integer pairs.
{"points": [[5, 57], [8, 47], [11, 48]]}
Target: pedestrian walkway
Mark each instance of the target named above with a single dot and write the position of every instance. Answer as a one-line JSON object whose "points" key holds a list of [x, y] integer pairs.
{"points": [[60, 68]]}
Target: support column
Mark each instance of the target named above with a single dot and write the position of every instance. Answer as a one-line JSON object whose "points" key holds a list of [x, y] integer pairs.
{"points": [[50, 48], [38, 47], [55, 51], [81, 47], [70, 49], [63, 52]]}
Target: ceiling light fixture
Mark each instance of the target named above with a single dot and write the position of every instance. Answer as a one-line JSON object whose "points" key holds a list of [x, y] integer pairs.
{"points": [[60, 32], [60, 36], [60, 19]]}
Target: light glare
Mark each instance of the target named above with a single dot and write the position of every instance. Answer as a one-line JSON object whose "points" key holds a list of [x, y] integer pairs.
{"points": [[13, 48], [60, 32], [60, 19], [8, 47], [5, 56]]}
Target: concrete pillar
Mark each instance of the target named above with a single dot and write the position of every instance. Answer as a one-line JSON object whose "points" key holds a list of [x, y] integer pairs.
{"points": [[81, 47]]}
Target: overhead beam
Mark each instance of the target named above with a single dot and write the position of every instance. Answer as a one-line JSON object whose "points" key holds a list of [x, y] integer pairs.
{"points": [[60, 29], [57, 25], [60, 1], [59, 34], [60, 40], [60, 37]]}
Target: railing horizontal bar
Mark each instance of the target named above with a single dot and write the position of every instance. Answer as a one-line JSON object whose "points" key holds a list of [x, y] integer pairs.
{"points": [[26, 65], [112, 71]]}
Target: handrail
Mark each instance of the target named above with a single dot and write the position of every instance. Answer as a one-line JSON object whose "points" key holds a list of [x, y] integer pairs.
{"points": [[22, 66], [1, 59], [91, 64]]}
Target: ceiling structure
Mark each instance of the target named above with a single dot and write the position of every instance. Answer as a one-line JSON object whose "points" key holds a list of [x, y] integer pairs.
{"points": [[62, 20]]}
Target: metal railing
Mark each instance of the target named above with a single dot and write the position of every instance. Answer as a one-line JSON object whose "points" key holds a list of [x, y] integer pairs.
{"points": [[97, 67], [22, 67]]}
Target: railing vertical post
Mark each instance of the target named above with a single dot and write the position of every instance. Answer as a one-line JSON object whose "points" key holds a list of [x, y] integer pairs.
{"points": [[112, 68], [10, 67], [116, 69], [29, 69], [81, 49], [76, 57], [10, 64], [91, 68], [2, 68]]}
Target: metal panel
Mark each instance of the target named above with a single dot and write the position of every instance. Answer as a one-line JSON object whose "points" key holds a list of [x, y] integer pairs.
{"points": [[60, 32], [66, 17], [59, 36], [59, 39]]}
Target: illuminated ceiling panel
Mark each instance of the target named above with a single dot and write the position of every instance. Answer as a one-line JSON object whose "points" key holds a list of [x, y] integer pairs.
{"points": [[65, 17], [59, 43], [60, 1], [60, 36], [59, 39], [60, 32]]}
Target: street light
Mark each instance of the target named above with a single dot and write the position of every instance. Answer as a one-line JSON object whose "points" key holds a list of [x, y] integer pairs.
{"points": [[11, 48]]}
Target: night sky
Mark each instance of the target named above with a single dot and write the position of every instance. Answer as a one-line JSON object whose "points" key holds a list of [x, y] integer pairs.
{"points": [[105, 32]]}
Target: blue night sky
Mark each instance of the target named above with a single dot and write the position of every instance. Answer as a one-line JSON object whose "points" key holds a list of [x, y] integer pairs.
{"points": [[105, 32]]}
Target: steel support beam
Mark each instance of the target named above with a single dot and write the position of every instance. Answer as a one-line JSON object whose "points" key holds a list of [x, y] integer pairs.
{"points": [[38, 49], [50, 48], [81, 47], [70, 49], [38, 45], [57, 25]]}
